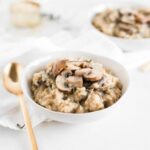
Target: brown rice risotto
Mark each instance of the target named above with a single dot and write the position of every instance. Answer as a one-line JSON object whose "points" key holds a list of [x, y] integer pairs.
{"points": [[75, 86], [124, 23]]}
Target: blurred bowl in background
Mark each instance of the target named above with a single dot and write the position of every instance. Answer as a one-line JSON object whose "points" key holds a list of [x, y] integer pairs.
{"points": [[124, 44]]}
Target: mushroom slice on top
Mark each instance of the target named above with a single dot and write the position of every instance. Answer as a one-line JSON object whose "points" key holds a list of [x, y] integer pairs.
{"points": [[58, 66], [71, 66], [74, 81], [99, 84], [75, 65], [96, 74], [80, 63], [66, 73], [61, 84], [84, 71]]}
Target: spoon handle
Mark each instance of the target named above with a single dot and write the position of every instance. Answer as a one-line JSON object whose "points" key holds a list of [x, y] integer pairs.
{"points": [[28, 123]]}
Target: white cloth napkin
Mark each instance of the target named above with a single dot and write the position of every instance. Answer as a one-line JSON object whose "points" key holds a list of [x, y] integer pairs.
{"points": [[32, 49]]}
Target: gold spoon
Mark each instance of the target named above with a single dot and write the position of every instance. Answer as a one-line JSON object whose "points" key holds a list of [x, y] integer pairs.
{"points": [[11, 79]]}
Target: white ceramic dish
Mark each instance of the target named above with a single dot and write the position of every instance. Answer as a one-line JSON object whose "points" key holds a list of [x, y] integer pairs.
{"points": [[125, 44], [116, 67]]}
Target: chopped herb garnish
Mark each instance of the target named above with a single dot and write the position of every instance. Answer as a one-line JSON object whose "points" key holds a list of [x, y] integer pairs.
{"points": [[20, 126]]}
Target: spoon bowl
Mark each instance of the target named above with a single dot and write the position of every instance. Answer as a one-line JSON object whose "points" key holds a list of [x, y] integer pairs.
{"points": [[11, 78]]}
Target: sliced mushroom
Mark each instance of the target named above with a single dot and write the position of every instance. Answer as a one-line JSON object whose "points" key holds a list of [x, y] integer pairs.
{"points": [[129, 28], [94, 102], [100, 23], [66, 73], [96, 74], [71, 66], [58, 66], [113, 15], [74, 81], [61, 84], [141, 18], [82, 64], [75, 65], [127, 19], [84, 71], [99, 84]]}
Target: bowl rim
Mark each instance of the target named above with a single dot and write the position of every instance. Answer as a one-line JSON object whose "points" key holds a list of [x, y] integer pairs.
{"points": [[45, 59], [104, 6]]}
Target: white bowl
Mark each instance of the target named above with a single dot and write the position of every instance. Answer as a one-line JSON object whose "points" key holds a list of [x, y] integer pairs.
{"points": [[125, 44], [116, 67]]}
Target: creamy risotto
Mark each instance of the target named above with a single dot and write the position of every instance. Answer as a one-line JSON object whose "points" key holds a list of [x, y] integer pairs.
{"points": [[75, 86], [124, 23]]}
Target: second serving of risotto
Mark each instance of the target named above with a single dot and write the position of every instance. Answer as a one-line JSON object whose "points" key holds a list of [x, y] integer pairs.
{"points": [[124, 23], [75, 86]]}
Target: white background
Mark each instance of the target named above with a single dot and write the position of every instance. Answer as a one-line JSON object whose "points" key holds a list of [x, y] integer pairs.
{"points": [[128, 129]]}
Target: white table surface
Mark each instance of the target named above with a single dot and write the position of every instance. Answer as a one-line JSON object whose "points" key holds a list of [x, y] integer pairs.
{"points": [[128, 129]]}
